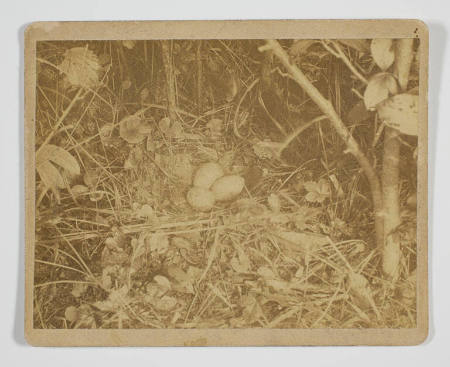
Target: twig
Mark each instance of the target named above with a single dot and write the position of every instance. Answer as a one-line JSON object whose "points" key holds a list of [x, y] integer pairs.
{"points": [[61, 119], [341, 55], [235, 120], [298, 131], [276, 123]]}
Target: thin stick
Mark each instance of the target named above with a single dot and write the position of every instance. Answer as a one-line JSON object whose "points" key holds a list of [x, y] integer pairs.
{"points": [[61, 119], [298, 131], [341, 55]]}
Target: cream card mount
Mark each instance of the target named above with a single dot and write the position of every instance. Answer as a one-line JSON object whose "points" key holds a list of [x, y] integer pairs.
{"points": [[226, 183]]}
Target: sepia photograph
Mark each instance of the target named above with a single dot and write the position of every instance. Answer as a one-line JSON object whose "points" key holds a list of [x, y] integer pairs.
{"points": [[226, 184]]}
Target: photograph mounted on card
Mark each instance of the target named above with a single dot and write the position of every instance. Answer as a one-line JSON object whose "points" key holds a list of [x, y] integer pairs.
{"points": [[231, 183]]}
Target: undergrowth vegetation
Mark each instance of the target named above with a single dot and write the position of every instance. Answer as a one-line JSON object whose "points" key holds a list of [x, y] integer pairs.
{"points": [[121, 130]]}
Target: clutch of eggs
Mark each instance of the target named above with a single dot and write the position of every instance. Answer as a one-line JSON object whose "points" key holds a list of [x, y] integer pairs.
{"points": [[211, 185]]}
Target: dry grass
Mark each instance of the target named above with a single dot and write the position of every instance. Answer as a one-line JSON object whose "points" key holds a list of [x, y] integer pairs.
{"points": [[129, 252]]}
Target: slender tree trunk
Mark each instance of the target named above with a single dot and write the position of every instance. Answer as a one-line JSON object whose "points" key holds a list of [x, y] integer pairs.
{"points": [[390, 176]]}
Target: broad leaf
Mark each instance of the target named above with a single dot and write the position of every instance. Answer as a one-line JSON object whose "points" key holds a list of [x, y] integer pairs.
{"points": [[381, 86], [50, 175], [401, 112], [59, 156], [382, 52]]}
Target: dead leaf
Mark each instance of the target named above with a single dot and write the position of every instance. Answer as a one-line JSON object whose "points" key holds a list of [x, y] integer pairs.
{"points": [[50, 176], [130, 129], [162, 282], [241, 263], [171, 129], [181, 243], [59, 156], [304, 217], [129, 44], [71, 314], [166, 303], [145, 211], [81, 67], [78, 289], [360, 288]]}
